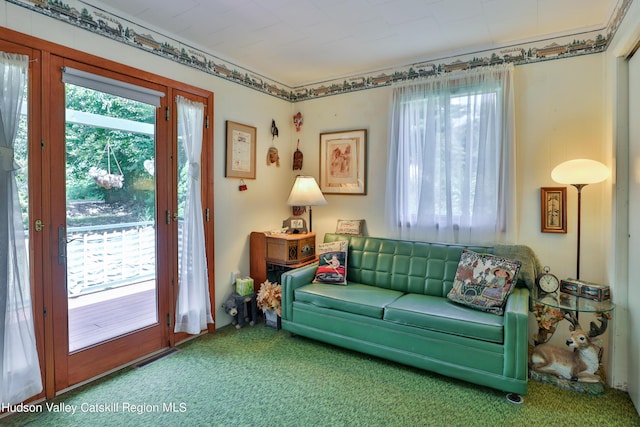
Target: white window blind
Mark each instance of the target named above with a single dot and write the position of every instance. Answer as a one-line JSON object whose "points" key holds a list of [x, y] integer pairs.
{"points": [[111, 86]]}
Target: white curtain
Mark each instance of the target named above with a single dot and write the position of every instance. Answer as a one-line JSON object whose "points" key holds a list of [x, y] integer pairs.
{"points": [[18, 352], [451, 162], [193, 308]]}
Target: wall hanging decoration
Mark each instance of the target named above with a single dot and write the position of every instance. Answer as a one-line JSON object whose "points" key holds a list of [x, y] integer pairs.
{"points": [[297, 157], [104, 178], [273, 157], [343, 158], [241, 151], [297, 121], [553, 214], [242, 186], [274, 129]]}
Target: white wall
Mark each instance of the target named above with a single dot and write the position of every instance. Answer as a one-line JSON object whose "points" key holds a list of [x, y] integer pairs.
{"points": [[559, 117], [359, 110]]}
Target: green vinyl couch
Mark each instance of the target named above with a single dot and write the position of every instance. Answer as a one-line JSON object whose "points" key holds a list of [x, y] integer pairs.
{"points": [[394, 306]]}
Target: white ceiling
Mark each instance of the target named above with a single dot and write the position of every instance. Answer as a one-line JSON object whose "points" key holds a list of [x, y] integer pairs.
{"points": [[299, 42]]}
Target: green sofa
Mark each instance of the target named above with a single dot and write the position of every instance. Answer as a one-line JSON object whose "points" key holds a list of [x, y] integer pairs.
{"points": [[395, 307]]}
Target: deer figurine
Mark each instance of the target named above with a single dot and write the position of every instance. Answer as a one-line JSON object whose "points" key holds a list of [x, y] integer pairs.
{"points": [[578, 364]]}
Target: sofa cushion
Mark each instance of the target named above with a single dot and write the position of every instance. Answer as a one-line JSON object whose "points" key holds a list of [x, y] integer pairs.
{"points": [[353, 298], [440, 314], [332, 263], [484, 281]]}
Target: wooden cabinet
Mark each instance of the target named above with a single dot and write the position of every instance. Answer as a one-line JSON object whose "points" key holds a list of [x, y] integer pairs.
{"points": [[270, 255]]}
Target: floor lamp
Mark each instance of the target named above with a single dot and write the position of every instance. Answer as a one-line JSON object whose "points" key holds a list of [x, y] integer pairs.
{"points": [[579, 173], [305, 192]]}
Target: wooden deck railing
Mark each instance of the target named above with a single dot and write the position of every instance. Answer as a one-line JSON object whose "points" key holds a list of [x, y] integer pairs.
{"points": [[107, 256]]}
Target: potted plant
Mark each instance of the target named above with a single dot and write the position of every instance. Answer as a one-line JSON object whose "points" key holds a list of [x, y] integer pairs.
{"points": [[269, 300]]}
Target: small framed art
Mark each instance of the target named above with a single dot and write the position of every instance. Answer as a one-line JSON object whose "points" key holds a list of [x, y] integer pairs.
{"points": [[350, 226], [553, 209], [343, 158], [241, 151]]}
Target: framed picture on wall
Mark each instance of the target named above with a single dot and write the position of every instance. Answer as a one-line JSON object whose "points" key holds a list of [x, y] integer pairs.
{"points": [[241, 151], [553, 209], [343, 158]]}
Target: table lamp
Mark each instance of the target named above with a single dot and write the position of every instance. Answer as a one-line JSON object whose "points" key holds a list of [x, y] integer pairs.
{"points": [[305, 192], [579, 173]]}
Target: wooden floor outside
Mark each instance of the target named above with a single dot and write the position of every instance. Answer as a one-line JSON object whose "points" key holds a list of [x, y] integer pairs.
{"points": [[100, 316]]}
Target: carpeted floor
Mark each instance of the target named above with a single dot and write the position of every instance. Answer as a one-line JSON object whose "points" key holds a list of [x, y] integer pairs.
{"points": [[258, 376]]}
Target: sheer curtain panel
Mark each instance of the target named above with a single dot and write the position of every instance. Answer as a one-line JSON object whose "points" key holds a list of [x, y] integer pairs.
{"points": [[18, 353], [451, 162], [193, 308]]}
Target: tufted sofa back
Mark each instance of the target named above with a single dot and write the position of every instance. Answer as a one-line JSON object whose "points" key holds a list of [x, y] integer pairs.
{"points": [[413, 267]]}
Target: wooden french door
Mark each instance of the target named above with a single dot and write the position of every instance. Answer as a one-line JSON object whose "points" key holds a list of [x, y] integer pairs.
{"points": [[112, 253]]}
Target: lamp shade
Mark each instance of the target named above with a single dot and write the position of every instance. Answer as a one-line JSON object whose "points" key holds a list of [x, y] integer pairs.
{"points": [[580, 171], [305, 192]]}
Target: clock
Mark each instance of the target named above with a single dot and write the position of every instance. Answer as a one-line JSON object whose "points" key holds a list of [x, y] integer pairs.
{"points": [[547, 282]]}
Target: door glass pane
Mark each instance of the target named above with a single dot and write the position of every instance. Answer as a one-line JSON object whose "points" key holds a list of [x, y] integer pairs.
{"points": [[110, 235], [21, 153], [183, 170]]}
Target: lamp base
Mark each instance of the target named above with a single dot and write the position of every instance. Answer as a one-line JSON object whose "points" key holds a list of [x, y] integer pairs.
{"points": [[579, 187]]}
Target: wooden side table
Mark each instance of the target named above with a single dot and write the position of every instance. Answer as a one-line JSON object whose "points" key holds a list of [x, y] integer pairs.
{"points": [[271, 255]]}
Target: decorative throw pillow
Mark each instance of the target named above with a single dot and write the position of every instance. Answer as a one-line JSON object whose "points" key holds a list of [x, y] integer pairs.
{"points": [[484, 281], [332, 263]]}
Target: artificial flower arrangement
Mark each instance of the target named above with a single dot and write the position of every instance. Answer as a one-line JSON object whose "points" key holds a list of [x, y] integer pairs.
{"points": [[270, 297]]}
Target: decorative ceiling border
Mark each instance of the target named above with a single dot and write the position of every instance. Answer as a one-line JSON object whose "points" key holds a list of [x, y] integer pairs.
{"points": [[84, 15]]}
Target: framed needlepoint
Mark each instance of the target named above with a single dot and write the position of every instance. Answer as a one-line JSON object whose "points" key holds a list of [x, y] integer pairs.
{"points": [[241, 151], [343, 157], [553, 209]]}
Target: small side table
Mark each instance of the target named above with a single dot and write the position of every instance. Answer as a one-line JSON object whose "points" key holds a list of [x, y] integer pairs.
{"points": [[269, 265], [243, 312], [551, 309]]}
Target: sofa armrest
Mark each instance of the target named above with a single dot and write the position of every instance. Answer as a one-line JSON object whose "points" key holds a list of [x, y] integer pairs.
{"points": [[516, 329], [290, 281]]}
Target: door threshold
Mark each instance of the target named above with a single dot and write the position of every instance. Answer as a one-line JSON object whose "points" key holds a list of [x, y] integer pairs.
{"points": [[156, 357]]}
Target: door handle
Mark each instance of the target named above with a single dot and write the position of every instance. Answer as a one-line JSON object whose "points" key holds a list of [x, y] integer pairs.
{"points": [[62, 245]]}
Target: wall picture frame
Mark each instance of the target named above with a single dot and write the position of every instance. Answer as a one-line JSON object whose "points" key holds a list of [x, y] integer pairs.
{"points": [[241, 151], [553, 209], [343, 162]]}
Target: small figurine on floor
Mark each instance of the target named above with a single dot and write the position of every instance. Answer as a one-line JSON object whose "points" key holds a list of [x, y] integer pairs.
{"points": [[231, 309]]}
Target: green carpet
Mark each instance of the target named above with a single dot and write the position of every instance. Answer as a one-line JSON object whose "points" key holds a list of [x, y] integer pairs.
{"points": [[258, 376]]}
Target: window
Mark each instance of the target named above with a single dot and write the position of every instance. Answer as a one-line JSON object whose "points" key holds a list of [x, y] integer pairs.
{"points": [[451, 158]]}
